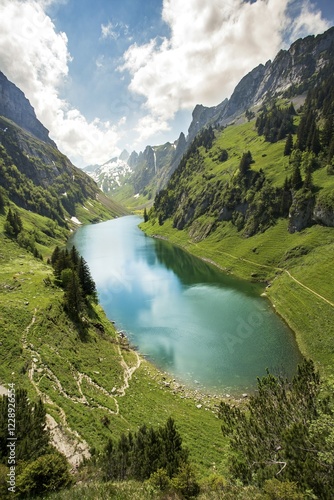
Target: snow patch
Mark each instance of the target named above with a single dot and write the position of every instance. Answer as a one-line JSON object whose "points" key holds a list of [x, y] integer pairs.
{"points": [[75, 220]]}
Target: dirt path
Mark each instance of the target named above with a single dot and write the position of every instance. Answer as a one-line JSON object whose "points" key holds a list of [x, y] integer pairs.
{"points": [[66, 440], [128, 372], [310, 289], [273, 268]]}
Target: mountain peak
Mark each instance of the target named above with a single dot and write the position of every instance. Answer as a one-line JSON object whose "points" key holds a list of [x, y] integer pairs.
{"points": [[16, 107]]}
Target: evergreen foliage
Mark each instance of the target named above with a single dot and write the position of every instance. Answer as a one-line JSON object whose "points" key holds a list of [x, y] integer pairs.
{"points": [[288, 145], [72, 273], [13, 224], [140, 455], [46, 474], [275, 123], [274, 438], [31, 433], [2, 202], [245, 163]]}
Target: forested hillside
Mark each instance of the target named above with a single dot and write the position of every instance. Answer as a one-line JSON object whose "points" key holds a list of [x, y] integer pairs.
{"points": [[256, 197], [93, 418]]}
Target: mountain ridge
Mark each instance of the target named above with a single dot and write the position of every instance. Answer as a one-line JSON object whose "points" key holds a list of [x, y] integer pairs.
{"points": [[16, 107], [289, 69], [290, 74], [35, 174]]}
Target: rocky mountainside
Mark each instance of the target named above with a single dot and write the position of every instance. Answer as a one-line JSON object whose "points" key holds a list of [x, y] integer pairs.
{"points": [[291, 73], [156, 164], [275, 163], [16, 107], [35, 175], [111, 174], [142, 173]]}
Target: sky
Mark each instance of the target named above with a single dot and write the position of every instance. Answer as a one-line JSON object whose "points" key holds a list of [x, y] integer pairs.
{"points": [[104, 75]]}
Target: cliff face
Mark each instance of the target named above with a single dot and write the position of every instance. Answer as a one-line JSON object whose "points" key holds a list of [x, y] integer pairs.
{"points": [[16, 107], [291, 71]]}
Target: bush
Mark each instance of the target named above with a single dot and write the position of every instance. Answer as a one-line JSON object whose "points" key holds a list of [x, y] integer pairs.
{"points": [[185, 481], [160, 480], [46, 474]]}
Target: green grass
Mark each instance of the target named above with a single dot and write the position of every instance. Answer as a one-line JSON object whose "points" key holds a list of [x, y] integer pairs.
{"points": [[266, 257], [83, 375]]}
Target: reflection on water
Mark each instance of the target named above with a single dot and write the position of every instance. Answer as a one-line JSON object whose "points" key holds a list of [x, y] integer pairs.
{"points": [[189, 318]]}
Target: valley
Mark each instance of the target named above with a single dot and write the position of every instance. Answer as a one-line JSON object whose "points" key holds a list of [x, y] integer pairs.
{"points": [[242, 206]]}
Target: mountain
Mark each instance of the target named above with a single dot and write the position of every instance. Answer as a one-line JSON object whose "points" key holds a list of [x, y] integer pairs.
{"points": [[111, 174], [128, 177], [292, 72], [35, 174], [16, 107], [216, 178]]}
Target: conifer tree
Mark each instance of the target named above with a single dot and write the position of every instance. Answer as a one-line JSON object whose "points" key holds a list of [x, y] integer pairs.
{"points": [[86, 281], [74, 257], [73, 296], [13, 224], [274, 437], [296, 178], [245, 163], [288, 145], [31, 433], [173, 454], [2, 202]]}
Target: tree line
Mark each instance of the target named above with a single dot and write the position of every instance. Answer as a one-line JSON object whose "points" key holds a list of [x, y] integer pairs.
{"points": [[286, 432], [39, 467], [72, 273]]}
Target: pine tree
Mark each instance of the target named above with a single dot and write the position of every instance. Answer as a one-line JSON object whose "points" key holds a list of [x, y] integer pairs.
{"points": [[73, 296], [86, 281], [31, 433], [288, 145], [245, 163], [13, 224], [172, 452], [74, 257], [2, 202], [145, 215], [296, 178], [273, 439]]}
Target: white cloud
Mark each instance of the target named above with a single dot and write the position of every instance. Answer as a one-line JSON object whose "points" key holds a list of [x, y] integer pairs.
{"points": [[309, 21], [148, 126], [114, 31], [109, 31], [35, 57], [212, 45]]}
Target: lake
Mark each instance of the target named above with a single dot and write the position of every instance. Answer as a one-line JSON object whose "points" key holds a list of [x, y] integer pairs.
{"points": [[207, 329]]}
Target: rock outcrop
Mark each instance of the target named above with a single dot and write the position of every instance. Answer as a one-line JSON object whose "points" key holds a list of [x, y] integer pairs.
{"points": [[292, 70], [16, 107]]}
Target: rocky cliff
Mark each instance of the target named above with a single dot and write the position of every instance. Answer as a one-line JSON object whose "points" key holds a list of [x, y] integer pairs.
{"points": [[16, 107], [292, 73]]}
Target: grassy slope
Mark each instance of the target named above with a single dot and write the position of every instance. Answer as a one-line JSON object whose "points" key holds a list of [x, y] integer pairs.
{"points": [[307, 255], [85, 378]]}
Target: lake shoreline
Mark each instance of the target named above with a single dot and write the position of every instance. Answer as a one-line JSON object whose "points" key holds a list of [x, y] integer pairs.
{"points": [[184, 312]]}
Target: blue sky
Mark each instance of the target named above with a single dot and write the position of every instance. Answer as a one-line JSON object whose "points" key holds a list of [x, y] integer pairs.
{"points": [[104, 75]]}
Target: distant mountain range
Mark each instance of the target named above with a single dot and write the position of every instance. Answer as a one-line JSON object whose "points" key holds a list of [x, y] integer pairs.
{"points": [[35, 175], [290, 74]]}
